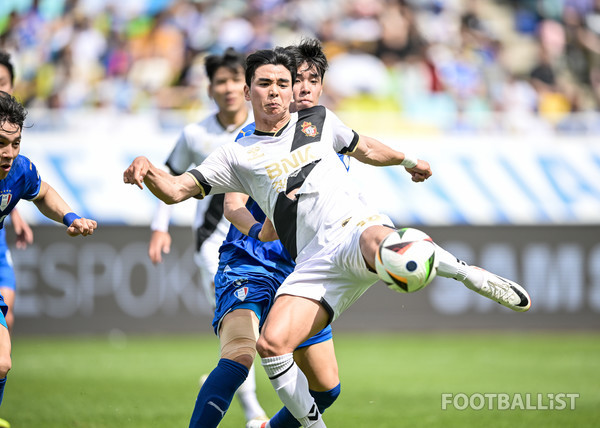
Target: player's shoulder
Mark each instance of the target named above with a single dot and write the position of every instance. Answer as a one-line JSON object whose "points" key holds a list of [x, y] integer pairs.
{"points": [[246, 131], [206, 125], [23, 164]]}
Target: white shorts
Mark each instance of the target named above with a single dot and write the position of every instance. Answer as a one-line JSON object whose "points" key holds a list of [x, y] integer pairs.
{"points": [[336, 275]]}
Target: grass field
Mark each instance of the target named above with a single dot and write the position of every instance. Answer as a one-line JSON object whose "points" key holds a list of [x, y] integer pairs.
{"points": [[387, 380]]}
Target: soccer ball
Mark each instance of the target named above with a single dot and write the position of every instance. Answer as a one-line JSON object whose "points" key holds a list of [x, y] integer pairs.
{"points": [[406, 260]]}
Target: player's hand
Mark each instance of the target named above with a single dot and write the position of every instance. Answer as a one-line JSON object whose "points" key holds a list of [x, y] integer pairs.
{"points": [[136, 172], [22, 230], [420, 172], [160, 242], [24, 236], [82, 226], [268, 232]]}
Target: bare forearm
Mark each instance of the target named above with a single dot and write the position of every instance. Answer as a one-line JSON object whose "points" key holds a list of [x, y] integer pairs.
{"points": [[236, 212], [50, 203], [166, 187], [163, 185], [373, 152]]}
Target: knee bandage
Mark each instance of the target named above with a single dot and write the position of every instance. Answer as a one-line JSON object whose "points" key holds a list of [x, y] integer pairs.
{"points": [[239, 335]]}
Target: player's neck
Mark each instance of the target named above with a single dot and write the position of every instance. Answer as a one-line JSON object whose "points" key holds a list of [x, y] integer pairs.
{"points": [[265, 125], [232, 120]]}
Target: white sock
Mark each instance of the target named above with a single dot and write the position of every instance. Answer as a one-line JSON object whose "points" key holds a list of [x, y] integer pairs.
{"points": [[451, 267], [292, 388], [246, 395]]}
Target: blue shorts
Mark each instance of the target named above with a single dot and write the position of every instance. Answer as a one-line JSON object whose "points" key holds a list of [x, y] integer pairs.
{"points": [[3, 311], [7, 273], [322, 336], [245, 286], [242, 283]]}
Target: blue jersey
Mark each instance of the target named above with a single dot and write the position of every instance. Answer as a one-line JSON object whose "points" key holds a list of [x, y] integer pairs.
{"points": [[271, 255], [22, 182]]}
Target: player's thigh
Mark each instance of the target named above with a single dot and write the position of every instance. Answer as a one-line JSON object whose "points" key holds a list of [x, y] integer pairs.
{"points": [[5, 349], [319, 364], [291, 320]]}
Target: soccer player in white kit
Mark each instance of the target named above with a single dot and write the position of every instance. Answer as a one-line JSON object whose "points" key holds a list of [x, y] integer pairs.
{"points": [[197, 140], [290, 167]]}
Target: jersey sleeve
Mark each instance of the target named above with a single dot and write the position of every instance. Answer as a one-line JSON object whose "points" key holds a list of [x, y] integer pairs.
{"points": [[181, 157], [217, 174], [345, 139], [33, 181]]}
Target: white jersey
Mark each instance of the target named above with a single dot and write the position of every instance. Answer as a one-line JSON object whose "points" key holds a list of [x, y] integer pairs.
{"points": [[195, 143], [303, 156]]}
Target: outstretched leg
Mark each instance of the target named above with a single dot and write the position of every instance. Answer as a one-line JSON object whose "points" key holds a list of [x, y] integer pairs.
{"points": [[504, 291], [492, 286]]}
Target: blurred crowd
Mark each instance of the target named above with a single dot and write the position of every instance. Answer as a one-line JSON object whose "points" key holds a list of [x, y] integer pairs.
{"points": [[458, 66]]}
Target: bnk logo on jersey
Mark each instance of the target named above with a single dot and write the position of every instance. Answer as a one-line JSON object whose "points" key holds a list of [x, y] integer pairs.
{"points": [[309, 129], [241, 293], [5, 200]]}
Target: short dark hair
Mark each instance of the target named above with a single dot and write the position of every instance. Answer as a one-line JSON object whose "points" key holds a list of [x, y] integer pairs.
{"points": [[276, 56], [231, 59], [11, 111], [5, 61], [310, 51]]}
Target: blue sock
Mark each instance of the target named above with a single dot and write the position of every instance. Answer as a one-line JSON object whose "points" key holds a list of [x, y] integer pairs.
{"points": [[284, 419], [216, 393], [2, 383]]}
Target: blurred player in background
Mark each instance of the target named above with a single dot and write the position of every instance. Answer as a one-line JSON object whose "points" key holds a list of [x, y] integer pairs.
{"points": [[19, 179], [250, 271], [322, 221], [22, 230], [226, 76]]}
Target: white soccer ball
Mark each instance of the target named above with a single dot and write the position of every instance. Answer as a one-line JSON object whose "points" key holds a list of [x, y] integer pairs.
{"points": [[406, 260]]}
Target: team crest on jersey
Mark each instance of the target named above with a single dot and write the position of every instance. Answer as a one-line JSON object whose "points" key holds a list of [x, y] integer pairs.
{"points": [[5, 200], [309, 129], [241, 293]]}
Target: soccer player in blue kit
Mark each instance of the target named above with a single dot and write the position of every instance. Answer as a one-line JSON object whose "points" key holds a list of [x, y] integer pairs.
{"points": [[19, 179], [197, 140], [250, 271], [22, 230]]}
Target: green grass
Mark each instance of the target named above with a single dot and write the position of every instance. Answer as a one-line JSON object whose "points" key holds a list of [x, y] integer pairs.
{"points": [[387, 380]]}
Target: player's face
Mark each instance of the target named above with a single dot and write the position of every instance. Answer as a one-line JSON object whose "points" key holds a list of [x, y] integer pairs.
{"points": [[10, 144], [270, 91], [5, 80], [308, 87], [227, 89]]}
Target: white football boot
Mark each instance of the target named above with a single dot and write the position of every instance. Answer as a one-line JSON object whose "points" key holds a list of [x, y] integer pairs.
{"points": [[256, 423], [504, 291]]}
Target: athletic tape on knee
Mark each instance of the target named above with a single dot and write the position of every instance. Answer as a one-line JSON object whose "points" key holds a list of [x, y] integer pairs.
{"points": [[238, 337]]}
